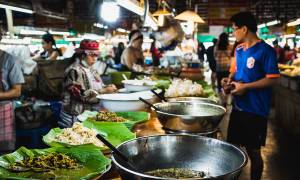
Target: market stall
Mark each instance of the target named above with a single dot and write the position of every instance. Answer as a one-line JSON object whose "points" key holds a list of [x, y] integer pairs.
{"points": [[125, 89], [286, 95]]}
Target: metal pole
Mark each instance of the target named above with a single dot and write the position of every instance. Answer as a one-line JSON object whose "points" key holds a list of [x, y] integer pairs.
{"points": [[146, 11], [10, 26]]}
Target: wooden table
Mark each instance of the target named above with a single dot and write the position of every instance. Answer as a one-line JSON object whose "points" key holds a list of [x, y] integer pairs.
{"points": [[151, 127]]}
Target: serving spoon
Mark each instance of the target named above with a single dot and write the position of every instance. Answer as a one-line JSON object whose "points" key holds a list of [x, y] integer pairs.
{"points": [[123, 157]]}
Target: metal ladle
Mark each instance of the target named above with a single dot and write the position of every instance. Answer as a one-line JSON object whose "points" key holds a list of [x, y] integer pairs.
{"points": [[117, 152], [149, 104]]}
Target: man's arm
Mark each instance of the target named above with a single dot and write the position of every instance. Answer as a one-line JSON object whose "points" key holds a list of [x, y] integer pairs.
{"points": [[14, 92], [240, 88]]}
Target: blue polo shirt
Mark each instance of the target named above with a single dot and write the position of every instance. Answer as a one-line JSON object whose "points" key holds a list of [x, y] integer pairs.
{"points": [[253, 64]]}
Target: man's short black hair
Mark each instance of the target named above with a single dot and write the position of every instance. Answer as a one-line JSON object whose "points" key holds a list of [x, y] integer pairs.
{"points": [[215, 40], [245, 19]]}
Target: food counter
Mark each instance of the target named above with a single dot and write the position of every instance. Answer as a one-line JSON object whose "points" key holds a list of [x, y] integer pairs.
{"points": [[118, 127], [287, 104]]}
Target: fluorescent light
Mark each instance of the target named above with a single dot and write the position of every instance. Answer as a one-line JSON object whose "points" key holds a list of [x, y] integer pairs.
{"points": [[32, 32], [93, 37], [289, 35], [110, 11], [133, 5], [294, 23], [16, 8], [261, 26], [73, 39], [15, 41], [122, 30], [98, 25], [59, 33], [271, 23]]}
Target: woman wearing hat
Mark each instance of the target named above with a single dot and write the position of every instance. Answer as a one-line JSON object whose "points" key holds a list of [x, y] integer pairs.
{"points": [[82, 83], [133, 54]]}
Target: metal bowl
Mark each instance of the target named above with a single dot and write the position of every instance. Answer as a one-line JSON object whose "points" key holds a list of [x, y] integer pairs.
{"points": [[220, 160], [138, 85], [189, 117], [120, 102], [192, 99]]}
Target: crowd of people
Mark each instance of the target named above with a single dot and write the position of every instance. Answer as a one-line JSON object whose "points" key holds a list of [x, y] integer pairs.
{"points": [[124, 58]]}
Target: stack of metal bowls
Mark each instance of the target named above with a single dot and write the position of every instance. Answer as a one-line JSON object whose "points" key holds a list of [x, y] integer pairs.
{"points": [[188, 116]]}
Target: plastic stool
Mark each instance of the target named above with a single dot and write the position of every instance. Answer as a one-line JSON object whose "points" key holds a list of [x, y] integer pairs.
{"points": [[31, 138]]}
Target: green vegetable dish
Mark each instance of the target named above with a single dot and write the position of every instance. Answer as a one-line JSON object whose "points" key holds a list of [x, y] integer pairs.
{"points": [[61, 163], [177, 173]]}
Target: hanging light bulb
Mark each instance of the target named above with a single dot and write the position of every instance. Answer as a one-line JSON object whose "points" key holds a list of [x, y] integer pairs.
{"points": [[161, 13], [162, 9], [110, 11], [189, 15]]}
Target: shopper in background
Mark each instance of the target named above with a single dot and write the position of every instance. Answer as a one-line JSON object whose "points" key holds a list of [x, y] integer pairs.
{"points": [[10, 87], [201, 51], [279, 52], [119, 52], [133, 54], [289, 54], [252, 74], [82, 83], [156, 55], [212, 62], [222, 55], [51, 52]]}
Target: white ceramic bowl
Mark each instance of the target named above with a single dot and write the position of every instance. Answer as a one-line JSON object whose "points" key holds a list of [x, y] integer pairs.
{"points": [[120, 102], [138, 85]]}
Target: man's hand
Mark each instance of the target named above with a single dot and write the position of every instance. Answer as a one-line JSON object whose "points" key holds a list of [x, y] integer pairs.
{"points": [[239, 88], [225, 82]]}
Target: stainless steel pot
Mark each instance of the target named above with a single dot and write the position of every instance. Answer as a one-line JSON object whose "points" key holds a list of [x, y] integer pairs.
{"points": [[192, 99], [189, 117], [220, 160]]}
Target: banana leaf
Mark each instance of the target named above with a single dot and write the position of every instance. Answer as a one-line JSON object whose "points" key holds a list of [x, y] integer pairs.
{"points": [[163, 84], [93, 162], [115, 133], [132, 117]]}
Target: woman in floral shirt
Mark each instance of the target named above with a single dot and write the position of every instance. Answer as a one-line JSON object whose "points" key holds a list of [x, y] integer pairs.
{"points": [[82, 83]]}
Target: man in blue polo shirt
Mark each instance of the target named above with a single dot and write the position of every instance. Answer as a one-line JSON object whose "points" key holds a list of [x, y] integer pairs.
{"points": [[252, 74]]}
